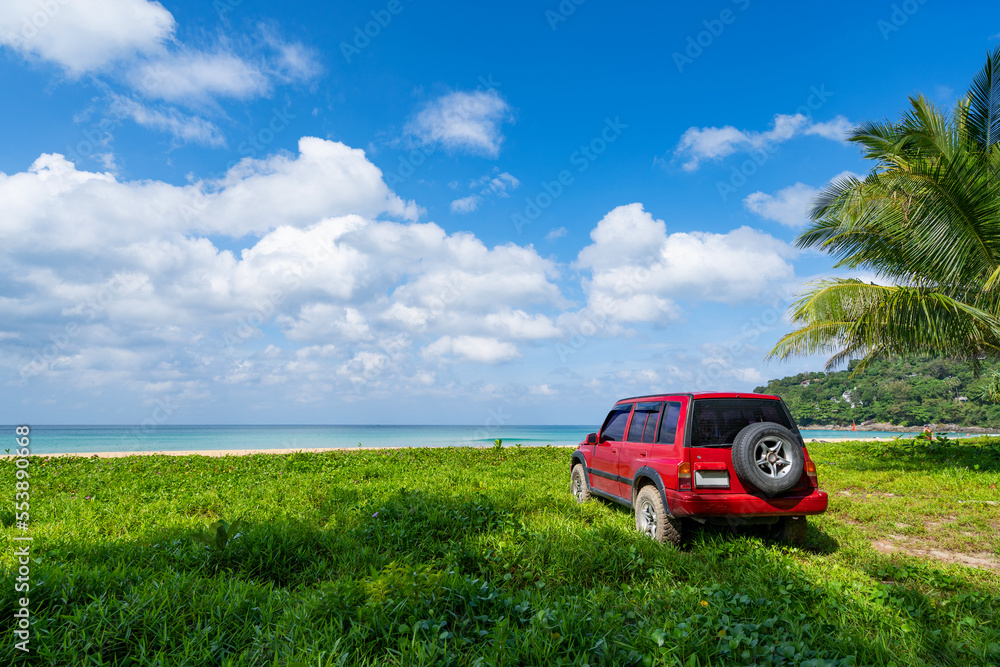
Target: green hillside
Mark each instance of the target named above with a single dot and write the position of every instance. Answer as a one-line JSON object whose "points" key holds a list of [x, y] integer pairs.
{"points": [[901, 392]]}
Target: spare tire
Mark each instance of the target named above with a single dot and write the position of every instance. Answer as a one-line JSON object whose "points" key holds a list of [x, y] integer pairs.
{"points": [[768, 457]]}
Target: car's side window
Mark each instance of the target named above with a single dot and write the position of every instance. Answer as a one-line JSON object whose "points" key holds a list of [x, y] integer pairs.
{"points": [[668, 423], [644, 418], [614, 425], [649, 433]]}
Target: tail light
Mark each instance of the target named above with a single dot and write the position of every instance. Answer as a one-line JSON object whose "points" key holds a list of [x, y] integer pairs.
{"points": [[811, 473], [684, 476]]}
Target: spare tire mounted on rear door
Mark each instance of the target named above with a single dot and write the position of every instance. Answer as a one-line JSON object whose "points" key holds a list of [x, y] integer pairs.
{"points": [[769, 457]]}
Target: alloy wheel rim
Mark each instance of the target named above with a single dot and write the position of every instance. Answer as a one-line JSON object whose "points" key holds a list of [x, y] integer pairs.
{"points": [[771, 457], [648, 519]]}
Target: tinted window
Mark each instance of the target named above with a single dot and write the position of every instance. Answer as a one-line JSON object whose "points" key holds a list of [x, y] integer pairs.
{"points": [[645, 414], [668, 426], [718, 420], [649, 433], [614, 425]]}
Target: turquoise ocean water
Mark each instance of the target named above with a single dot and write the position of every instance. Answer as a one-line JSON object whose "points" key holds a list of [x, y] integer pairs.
{"points": [[84, 439]]}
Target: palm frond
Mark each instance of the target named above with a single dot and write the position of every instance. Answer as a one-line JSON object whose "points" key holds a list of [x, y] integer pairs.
{"points": [[925, 220], [984, 113], [849, 317]]}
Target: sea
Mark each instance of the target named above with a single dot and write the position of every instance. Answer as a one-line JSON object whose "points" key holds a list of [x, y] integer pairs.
{"points": [[45, 440]]}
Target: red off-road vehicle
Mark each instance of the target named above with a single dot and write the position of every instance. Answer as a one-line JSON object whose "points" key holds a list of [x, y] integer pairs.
{"points": [[726, 458]]}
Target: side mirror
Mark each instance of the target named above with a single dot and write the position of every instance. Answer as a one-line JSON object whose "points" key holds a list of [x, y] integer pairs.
{"points": [[591, 438]]}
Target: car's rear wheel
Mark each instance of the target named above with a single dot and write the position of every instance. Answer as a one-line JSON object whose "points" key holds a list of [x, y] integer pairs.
{"points": [[769, 457], [652, 520], [578, 484]]}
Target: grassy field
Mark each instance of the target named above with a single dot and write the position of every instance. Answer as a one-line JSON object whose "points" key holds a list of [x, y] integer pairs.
{"points": [[480, 557]]}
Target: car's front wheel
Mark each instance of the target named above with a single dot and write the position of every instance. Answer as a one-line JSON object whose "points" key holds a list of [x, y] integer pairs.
{"points": [[578, 484], [652, 520]]}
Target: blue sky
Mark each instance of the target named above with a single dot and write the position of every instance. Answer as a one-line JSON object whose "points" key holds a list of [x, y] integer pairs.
{"points": [[404, 212]]}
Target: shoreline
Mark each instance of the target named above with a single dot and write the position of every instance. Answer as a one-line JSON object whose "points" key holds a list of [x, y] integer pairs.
{"points": [[221, 453]]}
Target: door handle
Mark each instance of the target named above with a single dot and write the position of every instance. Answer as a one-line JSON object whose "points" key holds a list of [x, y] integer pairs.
{"points": [[642, 453], [614, 451]]}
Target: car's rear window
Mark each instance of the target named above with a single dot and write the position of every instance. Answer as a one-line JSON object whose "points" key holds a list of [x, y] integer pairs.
{"points": [[718, 420]]}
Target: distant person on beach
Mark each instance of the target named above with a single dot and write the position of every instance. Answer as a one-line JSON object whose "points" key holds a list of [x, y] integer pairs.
{"points": [[927, 431]]}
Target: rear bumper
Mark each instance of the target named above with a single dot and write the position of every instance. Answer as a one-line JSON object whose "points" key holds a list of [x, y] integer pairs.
{"points": [[685, 503]]}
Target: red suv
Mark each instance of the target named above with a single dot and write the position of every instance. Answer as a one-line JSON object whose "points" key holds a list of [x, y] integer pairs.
{"points": [[712, 457]]}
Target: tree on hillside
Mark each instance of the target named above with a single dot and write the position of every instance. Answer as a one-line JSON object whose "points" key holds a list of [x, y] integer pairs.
{"points": [[905, 391], [926, 222]]}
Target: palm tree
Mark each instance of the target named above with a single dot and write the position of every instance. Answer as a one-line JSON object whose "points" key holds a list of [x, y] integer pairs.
{"points": [[926, 222]]}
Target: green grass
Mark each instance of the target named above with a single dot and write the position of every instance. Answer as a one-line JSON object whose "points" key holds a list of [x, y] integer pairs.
{"points": [[481, 557]]}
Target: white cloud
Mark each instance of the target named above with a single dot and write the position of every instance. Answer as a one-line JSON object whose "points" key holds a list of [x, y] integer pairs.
{"points": [[518, 324], [554, 234], [124, 263], [84, 35], [326, 178], [292, 61], [325, 321], [466, 277], [709, 142], [499, 183], [837, 129], [715, 143], [188, 75], [364, 366], [332, 263], [643, 377], [719, 367], [790, 206], [638, 270], [130, 48], [495, 184], [465, 204], [56, 206], [463, 121], [623, 236], [188, 129], [472, 348]]}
